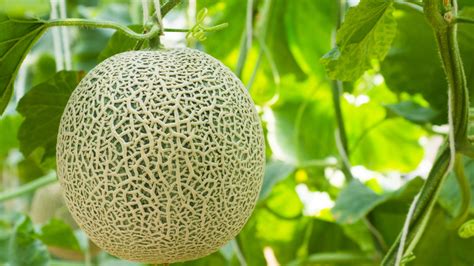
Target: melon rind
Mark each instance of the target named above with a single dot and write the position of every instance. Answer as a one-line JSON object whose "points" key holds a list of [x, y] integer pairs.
{"points": [[161, 155]]}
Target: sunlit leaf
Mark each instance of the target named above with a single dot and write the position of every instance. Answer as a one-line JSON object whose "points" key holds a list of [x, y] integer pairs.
{"points": [[366, 34], [309, 27]]}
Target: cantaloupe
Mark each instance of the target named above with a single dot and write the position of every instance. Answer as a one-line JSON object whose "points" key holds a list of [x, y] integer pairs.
{"points": [[161, 155]]}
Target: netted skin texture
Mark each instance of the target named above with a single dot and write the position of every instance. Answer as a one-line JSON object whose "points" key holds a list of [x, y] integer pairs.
{"points": [[161, 155]]}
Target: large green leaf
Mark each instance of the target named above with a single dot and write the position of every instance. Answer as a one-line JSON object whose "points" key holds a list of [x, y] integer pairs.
{"points": [[232, 12], [275, 171], [42, 108], [281, 225], [16, 39], [251, 246], [329, 237], [371, 133], [412, 111], [413, 64], [466, 39], [301, 125], [309, 27], [119, 43], [440, 245], [360, 234], [366, 34], [277, 41], [57, 233], [389, 216], [25, 249], [450, 195], [8, 129], [5, 233], [356, 200]]}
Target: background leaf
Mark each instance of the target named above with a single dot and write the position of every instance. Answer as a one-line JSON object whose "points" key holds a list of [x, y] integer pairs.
{"points": [[57, 233], [366, 34], [42, 108], [25, 249], [18, 35], [119, 43]]}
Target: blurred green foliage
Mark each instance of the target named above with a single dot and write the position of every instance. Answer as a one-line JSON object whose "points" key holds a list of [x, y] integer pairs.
{"points": [[395, 93]]}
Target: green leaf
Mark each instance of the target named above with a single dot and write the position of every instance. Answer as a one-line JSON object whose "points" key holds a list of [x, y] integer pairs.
{"points": [[366, 35], [450, 195], [29, 169], [413, 64], [215, 258], [275, 171], [360, 234], [283, 228], [355, 201], [42, 108], [389, 216], [466, 39], [119, 43], [301, 125], [43, 69], [9, 125], [308, 46], [329, 237], [441, 246], [17, 38], [5, 233], [25, 249], [232, 12], [57, 233], [368, 129], [412, 111], [337, 258], [277, 42], [251, 246]]}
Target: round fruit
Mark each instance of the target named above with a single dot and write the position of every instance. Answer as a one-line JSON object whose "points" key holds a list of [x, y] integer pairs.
{"points": [[161, 155], [47, 203]]}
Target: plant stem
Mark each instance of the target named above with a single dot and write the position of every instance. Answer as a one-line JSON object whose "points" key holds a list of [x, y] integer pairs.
{"points": [[341, 136], [155, 31], [28, 187], [240, 256], [425, 204], [168, 6], [206, 29], [464, 20], [465, 192], [445, 34], [409, 5], [337, 258]]}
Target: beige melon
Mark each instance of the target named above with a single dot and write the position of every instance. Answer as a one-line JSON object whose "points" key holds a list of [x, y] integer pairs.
{"points": [[161, 155]]}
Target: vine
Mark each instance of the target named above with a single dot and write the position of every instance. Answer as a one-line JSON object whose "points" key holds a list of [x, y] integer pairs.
{"points": [[28, 187], [444, 28]]}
